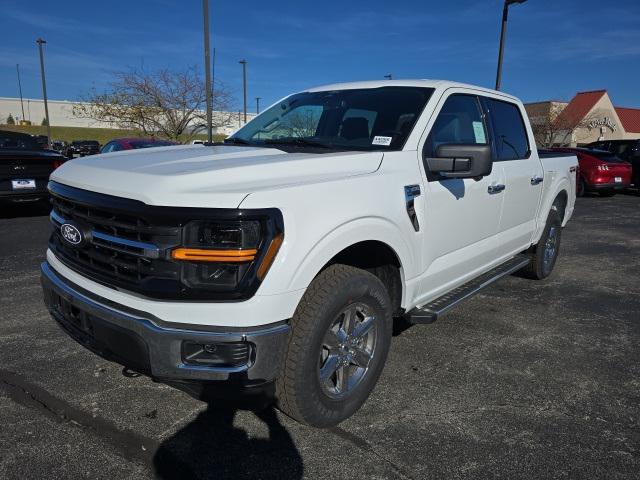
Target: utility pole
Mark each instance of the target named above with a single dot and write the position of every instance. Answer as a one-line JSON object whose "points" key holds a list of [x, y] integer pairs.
{"points": [[41, 42], [207, 71], [503, 31], [258, 105], [244, 86], [20, 89]]}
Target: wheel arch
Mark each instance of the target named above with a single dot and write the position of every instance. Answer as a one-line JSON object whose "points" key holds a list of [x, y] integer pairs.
{"points": [[558, 201], [372, 245]]}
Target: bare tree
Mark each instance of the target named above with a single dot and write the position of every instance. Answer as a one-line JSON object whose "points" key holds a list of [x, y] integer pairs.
{"points": [[302, 123], [551, 128], [165, 103]]}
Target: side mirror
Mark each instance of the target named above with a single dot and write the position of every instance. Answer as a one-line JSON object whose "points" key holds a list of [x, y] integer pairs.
{"points": [[461, 161]]}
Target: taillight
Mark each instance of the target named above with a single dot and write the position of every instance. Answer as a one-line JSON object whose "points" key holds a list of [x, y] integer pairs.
{"points": [[56, 164], [602, 168]]}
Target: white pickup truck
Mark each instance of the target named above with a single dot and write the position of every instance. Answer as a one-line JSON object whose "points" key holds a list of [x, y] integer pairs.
{"points": [[280, 259]]}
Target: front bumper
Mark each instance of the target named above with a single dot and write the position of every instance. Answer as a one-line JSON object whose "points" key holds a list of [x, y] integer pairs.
{"points": [[161, 350], [17, 196]]}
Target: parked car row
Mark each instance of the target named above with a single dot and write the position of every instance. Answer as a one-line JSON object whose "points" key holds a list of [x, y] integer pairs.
{"points": [[600, 171], [627, 150], [25, 167], [26, 161]]}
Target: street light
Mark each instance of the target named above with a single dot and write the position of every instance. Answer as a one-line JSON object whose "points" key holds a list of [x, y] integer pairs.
{"points": [[244, 86], [41, 42], [505, 14], [258, 105], [207, 71], [20, 89]]}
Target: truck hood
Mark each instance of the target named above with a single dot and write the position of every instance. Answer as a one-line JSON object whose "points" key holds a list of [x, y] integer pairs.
{"points": [[198, 176]]}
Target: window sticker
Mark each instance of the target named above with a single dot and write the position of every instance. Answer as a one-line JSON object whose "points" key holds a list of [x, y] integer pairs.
{"points": [[386, 141], [478, 131]]}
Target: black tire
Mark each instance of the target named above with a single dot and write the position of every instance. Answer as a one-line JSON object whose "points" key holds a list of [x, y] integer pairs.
{"points": [[582, 188], [607, 193], [300, 392], [542, 261]]}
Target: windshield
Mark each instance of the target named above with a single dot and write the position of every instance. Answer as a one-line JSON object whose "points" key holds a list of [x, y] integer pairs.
{"points": [[604, 156], [18, 141], [360, 119]]}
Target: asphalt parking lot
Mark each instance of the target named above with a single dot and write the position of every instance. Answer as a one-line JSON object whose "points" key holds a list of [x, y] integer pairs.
{"points": [[526, 380]]}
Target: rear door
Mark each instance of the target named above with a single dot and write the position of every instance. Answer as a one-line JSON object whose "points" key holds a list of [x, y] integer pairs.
{"points": [[523, 173], [461, 215]]}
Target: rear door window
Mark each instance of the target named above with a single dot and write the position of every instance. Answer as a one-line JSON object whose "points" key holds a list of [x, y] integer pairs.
{"points": [[509, 133]]}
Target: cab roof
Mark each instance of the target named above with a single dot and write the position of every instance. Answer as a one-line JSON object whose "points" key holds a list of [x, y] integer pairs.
{"points": [[436, 84]]}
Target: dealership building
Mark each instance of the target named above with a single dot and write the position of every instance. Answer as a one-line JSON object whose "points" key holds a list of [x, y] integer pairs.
{"points": [[61, 115], [588, 117]]}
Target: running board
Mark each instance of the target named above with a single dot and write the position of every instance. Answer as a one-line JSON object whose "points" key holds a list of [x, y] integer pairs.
{"points": [[430, 312]]}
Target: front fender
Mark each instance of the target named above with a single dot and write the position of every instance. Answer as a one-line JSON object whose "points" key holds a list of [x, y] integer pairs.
{"points": [[346, 235]]}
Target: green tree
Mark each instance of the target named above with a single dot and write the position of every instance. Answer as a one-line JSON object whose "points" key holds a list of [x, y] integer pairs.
{"points": [[10, 120], [44, 122]]}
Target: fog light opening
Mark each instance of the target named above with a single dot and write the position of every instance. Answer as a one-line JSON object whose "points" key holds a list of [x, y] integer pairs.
{"points": [[228, 354]]}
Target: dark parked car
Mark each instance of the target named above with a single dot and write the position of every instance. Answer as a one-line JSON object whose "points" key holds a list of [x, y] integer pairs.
{"points": [[627, 150], [83, 147], [118, 144], [25, 167], [600, 171]]}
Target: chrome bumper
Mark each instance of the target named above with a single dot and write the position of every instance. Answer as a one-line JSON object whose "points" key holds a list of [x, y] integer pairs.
{"points": [[156, 348]]}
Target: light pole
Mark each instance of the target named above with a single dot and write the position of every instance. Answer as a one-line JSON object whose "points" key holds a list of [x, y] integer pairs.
{"points": [[20, 89], [244, 86], [41, 42], [258, 105], [207, 70], [503, 30]]}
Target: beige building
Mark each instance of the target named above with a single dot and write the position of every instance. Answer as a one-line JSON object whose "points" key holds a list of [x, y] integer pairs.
{"points": [[588, 117], [61, 115]]}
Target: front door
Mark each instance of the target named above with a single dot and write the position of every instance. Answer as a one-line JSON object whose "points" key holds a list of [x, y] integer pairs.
{"points": [[461, 216]]}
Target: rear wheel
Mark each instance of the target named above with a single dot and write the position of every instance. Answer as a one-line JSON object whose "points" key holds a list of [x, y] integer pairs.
{"points": [[545, 253], [582, 188], [341, 333]]}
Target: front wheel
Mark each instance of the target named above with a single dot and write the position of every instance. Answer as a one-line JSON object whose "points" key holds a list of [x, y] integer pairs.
{"points": [[545, 253], [341, 333]]}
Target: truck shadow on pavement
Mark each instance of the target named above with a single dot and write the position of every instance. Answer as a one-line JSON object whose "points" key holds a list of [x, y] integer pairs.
{"points": [[211, 446]]}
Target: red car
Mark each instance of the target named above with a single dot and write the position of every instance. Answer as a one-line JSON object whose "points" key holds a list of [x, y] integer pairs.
{"points": [[118, 144], [600, 171]]}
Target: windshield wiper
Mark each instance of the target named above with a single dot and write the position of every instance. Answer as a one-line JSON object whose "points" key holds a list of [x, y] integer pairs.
{"points": [[237, 141], [296, 141]]}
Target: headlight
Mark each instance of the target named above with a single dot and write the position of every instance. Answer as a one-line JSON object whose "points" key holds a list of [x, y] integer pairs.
{"points": [[225, 255]]}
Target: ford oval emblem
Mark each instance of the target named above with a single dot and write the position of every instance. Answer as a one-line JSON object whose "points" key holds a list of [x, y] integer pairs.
{"points": [[71, 233]]}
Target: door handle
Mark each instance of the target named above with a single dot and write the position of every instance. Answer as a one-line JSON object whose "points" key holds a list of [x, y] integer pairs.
{"points": [[496, 188], [536, 180]]}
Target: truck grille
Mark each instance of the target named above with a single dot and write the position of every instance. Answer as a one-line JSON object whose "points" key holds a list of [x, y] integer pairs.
{"points": [[121, 250], [126, 244]]}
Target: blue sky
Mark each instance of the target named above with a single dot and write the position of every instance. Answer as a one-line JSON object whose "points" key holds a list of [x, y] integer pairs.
{"points": [[554, 48]]}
